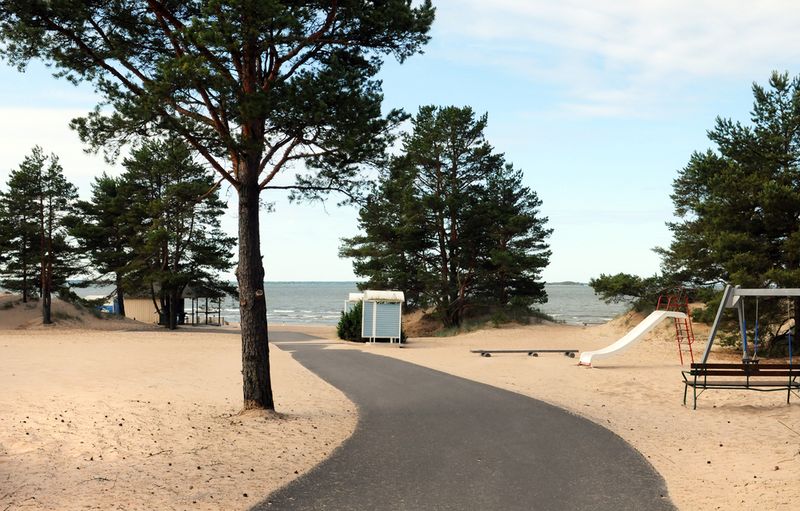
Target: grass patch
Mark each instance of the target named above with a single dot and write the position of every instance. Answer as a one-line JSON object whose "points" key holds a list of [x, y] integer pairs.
{"points": [[465, 327], [538, 316], [8, 305], [496, 319], [64, 316]]}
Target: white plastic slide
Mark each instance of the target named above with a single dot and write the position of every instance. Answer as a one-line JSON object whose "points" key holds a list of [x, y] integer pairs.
{"points": [[630, 338]]}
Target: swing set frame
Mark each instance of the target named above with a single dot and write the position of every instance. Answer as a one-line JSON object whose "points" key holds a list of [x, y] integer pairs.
{"points": [[732, 298], [750, 374]]}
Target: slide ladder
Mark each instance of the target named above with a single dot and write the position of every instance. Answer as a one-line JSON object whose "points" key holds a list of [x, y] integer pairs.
{"points": [[684, 335]]}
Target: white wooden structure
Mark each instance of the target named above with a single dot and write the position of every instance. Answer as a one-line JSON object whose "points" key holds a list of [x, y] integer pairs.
{"points": [[141, 309], [352, 300], [381, 316]]}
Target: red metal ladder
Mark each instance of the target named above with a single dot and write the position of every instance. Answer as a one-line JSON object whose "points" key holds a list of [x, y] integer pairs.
{"points": [[684, 335]]}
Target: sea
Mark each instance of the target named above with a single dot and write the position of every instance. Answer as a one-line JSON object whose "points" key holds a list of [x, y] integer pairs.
{"points": [[322, 303]]}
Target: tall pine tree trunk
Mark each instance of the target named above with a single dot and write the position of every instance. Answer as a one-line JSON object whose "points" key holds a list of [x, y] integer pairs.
{"points": [[24, 281], [120, 296], [172, 321], [47, 290], [44, 288], [257, 387], [795, 344]]}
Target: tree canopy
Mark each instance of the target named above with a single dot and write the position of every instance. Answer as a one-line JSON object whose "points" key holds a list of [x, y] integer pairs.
{"points": [[451, 223], [739, 206], [103, 232], [641, 293]]}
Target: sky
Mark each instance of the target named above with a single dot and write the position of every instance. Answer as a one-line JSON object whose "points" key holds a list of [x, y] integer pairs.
{"points": [[600, 103]]}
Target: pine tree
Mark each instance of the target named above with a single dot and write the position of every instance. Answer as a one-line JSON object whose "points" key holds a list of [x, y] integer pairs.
{"points": [[103, 232], [392, 251], [254, 87], [511, 234], [738, 206], [35, 206], [452, 223], [20, 235], [173, 216]]}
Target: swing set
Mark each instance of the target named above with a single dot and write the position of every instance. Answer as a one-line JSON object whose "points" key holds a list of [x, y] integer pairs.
{"points": [[743, 328], [733, 297], [750, 374]]}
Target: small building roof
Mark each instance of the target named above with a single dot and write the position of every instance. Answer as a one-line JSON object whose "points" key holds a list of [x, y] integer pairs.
{"points": [[355, 297], [384, 296]]}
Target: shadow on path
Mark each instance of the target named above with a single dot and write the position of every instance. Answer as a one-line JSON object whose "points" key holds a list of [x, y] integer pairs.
{"points": [[427, 440]]}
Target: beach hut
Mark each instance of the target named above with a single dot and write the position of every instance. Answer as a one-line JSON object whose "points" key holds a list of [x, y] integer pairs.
{"points": [[381, 315], [140, 309], [352, 300]]}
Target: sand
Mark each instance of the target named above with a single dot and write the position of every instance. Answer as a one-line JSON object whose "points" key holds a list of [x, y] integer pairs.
{"points": [[144, 418], [738, 450], [147, 419]]}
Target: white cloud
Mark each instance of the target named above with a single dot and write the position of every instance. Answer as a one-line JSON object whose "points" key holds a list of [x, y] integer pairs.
{"points": [[623, 57], [48, 128]]}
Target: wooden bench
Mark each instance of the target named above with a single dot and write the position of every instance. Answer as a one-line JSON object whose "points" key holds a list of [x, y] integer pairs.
{"points": [[531, 353], [750, 375]]}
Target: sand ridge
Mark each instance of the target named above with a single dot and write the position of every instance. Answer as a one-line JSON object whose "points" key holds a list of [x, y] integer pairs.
{"points": [[18, 315]]}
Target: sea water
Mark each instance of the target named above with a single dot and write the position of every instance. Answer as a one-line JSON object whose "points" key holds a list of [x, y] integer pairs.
{"points": [[322, 303]]}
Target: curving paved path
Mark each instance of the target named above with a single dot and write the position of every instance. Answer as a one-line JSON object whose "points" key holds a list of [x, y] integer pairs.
{"points": [[427, 440]]}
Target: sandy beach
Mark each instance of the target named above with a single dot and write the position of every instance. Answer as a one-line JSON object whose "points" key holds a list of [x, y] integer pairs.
{"points": [[140, 418], [120, 415]]}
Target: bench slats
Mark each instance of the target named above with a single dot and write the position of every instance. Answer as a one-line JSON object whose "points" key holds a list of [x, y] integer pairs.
{"points": [[743, 384], [751, 373], [727, 365]]}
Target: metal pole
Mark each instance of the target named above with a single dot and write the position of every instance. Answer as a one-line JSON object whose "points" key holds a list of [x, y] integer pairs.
{"points": [[374, 319], [742, 327], [725, 297]]}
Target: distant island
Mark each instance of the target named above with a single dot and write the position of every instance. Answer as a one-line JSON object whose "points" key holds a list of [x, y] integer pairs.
{"points": [[567, 283]]}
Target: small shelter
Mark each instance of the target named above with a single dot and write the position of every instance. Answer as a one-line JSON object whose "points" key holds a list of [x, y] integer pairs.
{"points": [[381, 316], [352, 300], [205, 307]]}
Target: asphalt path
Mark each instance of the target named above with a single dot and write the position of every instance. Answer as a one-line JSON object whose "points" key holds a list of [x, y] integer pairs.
{"points": [[427, 440]]}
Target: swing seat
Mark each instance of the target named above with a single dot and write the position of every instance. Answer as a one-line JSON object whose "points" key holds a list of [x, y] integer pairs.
{"points": [[748, 376]]}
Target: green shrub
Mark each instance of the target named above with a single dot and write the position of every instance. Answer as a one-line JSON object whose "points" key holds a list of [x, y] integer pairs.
{"points": [[349, 327]]}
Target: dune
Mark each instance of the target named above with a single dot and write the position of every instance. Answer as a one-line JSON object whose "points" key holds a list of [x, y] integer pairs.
{"points": [[16, 315]]}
